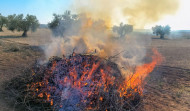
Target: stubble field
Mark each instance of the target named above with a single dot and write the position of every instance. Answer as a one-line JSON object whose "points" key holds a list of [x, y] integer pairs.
{"points": [[167, 88]]}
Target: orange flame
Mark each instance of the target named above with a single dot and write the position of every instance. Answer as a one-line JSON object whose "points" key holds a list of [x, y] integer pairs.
{"points": [[135, 80], [96, 80]]}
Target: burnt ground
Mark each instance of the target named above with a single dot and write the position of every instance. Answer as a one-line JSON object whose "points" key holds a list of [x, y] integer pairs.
{"points": [[167, 89]]}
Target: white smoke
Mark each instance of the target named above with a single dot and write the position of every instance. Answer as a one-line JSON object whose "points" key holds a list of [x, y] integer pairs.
{"points": [[99, 40]]}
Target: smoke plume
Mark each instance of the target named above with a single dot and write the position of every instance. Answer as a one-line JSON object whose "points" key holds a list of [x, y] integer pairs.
{"points": [[96, 38], [135, 12], [94, 34]]}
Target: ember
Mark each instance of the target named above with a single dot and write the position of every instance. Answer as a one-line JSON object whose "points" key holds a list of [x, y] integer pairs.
{"points": [[88, 82]]}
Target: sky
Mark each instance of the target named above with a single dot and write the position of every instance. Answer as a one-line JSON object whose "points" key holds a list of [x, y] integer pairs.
{"points": [[44, 9], [180, 20]]}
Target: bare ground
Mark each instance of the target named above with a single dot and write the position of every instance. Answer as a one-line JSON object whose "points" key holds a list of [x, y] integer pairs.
{"points": [[17, 54], [167, 89]]}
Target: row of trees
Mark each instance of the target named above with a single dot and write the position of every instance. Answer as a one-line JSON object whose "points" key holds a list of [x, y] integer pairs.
{"points": [[62, 23], [19, 23]]}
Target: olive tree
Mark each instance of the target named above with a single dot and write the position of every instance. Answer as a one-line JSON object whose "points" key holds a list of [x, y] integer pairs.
{"points": [[19, 23], [122, 29], [62, 23], [13, 21], [30, 22], [3, 22], [161, 30]]}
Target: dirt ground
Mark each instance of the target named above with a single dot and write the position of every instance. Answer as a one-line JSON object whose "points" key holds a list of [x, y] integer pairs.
{"points": [[167, 88], [17, 54], [40, 37]]}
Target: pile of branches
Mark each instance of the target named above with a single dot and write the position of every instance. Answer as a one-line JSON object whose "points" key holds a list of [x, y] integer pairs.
{"points": [[74, 83]]}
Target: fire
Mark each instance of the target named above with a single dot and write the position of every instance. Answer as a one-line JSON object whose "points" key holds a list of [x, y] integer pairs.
{"points": [[89, 81], [135, 80]]}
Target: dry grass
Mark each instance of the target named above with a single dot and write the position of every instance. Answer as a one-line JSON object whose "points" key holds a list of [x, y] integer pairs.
{"points": [[40, 37], [10, 33], [14, 59]]}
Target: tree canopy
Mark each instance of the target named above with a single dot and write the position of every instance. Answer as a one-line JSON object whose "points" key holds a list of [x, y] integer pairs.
{"points": [[122, 29], [13, 21], [19, 23], [161, 30], [61, 23], [30, 22], [3, 22]]}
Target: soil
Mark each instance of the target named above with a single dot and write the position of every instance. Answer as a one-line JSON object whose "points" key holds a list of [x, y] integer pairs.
{"points": [[167, 88]]}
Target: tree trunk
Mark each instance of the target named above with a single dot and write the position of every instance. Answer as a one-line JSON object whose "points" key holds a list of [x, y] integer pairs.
{"points": [[24, 34], [1, 29], [162, 36]]}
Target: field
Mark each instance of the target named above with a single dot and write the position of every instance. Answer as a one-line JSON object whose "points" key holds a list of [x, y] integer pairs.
{"points": [[167, 89]]}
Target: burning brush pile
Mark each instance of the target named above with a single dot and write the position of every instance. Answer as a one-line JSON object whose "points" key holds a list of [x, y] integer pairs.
{"points": [[84, 82], [80, 83]]}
